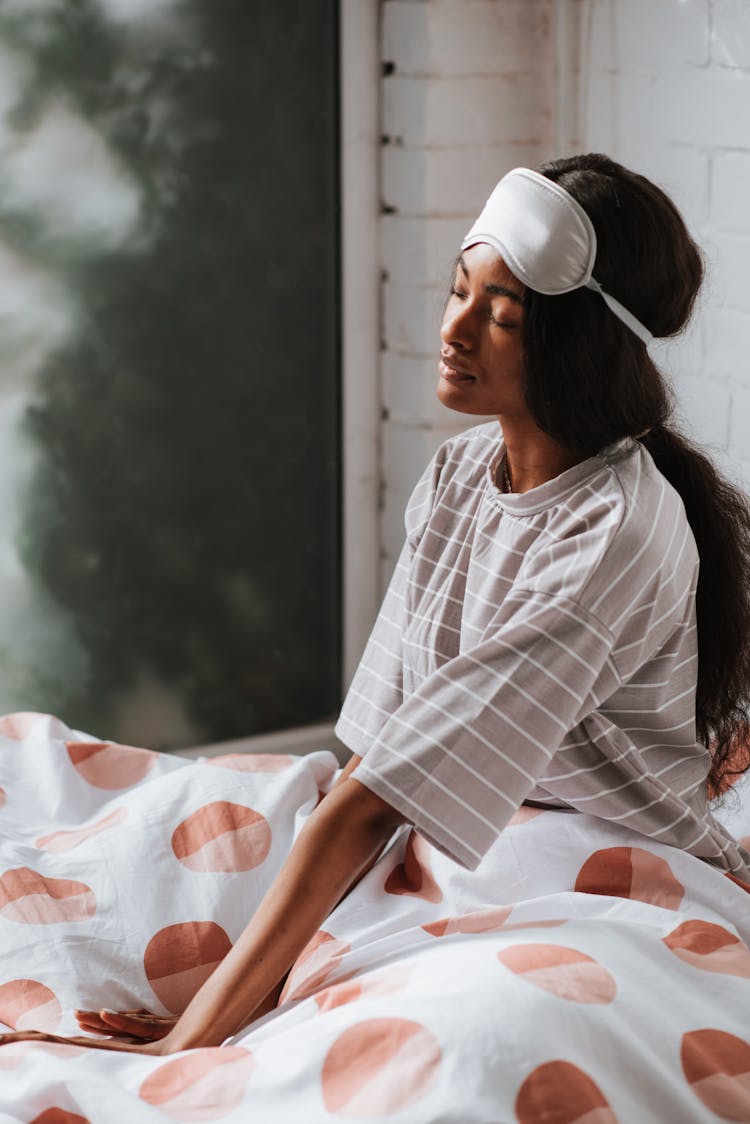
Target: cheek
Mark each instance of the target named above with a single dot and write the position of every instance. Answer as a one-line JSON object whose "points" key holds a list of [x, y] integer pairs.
{"points": [[507, 355]]}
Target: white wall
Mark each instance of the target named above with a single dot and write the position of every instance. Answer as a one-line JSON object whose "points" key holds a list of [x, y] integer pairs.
{"points": [[469, 97], [665, 88], [471, 89]]}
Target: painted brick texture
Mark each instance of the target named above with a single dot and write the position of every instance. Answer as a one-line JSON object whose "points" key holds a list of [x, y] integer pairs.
{"points": [[665, 88], [467, 94]]}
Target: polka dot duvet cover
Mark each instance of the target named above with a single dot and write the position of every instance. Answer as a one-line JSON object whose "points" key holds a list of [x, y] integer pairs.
{"points": [[582, 975]]}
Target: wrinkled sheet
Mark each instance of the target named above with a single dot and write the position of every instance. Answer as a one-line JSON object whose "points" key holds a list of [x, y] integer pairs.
{"points": [[582, 974]]}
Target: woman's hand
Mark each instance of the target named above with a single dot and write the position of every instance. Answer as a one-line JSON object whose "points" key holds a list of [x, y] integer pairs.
{"points": [[139, 1026], [155, 1049]]}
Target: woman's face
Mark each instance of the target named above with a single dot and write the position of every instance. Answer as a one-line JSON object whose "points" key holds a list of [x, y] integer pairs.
{"points": [[481, 356]]}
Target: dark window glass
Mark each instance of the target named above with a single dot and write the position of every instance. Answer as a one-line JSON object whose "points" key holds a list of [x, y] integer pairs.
{"points": [[169, 405]]}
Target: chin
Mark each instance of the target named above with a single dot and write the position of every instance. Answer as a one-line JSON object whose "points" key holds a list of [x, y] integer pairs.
{"points": [[458, 398]]}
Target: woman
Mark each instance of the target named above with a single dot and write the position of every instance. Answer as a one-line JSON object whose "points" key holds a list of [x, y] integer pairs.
{"points": [[538, 640]]}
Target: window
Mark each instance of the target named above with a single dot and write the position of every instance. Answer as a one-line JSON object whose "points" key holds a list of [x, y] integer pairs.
{"points": [[170, 401]]}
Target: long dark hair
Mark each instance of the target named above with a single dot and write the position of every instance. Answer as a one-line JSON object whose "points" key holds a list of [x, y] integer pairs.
{"points": [[590, 381]]}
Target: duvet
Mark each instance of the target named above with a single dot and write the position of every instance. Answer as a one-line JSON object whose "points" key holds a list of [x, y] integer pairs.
{"points": [[582, 975]]}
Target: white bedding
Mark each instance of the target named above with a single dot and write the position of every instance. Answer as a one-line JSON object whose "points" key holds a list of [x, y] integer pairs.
{"points": [[582, 974]]}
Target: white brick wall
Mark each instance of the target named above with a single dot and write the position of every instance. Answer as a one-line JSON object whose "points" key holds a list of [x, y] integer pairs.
{"points": [[665, 89], [469, 91], [468, 96], [730, 33], [730, 187]]}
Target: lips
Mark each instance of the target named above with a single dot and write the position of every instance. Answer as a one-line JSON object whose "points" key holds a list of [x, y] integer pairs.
{"points": [[454, 374]]}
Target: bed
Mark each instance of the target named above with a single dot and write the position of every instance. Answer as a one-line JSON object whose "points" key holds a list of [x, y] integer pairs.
{"points": [[582, 975]]}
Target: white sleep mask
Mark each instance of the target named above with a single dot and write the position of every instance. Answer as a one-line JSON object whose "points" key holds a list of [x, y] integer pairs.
{"points": [[545, 238]]}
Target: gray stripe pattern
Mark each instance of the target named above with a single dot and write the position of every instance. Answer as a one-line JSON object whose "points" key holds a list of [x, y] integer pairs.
{"points": [[538, 646]]}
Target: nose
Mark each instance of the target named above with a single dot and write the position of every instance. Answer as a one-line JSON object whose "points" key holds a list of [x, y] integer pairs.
{"points": [[458, 329]]}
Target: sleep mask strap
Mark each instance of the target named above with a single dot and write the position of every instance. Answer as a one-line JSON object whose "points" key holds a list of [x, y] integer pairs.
{"points": [[621, 311]]}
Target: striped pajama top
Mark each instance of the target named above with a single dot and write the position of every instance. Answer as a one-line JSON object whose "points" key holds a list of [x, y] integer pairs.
{"points": [[538, 646]]}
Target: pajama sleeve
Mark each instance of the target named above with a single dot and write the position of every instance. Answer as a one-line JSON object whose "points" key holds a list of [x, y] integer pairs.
{"points": [[460, 753]]}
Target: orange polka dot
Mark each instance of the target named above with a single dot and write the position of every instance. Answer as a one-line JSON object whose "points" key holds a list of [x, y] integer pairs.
{"points": [[34, 899], [205, 1084], [320, 957], [67, 840], [716, 1065], [414, 875], [338, 995], [29, 1005], [252, 762], [56, 1115], [565, 972], [222, 837], [109, 765], [523, 815], [737, 881], [372, 985], [19, 725], [379, 1066], [180, 958], [480, 921], [558, 1092], [710, 947], [630, 872], [3, 797]]}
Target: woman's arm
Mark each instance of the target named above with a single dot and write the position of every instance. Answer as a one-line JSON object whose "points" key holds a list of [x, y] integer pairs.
{"points": [[339, 843]]}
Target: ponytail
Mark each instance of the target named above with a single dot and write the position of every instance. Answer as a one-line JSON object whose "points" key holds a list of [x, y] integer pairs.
{"points": [[719, 517]]}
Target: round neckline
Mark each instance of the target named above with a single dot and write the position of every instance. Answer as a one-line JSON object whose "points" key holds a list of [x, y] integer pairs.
{"points": [[559, 487]]}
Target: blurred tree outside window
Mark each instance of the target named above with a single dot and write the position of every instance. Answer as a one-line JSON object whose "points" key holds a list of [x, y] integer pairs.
{"points": [[169, 380]]}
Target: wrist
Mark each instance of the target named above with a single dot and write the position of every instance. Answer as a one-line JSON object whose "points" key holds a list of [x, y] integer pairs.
{"points": [[183, 1039]]}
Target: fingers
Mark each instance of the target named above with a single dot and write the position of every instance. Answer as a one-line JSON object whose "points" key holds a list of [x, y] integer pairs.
{"points": [[127, 1029], [36, 1036], [134, 1026], [95, 1023], [131, 1047], [82, 1012], [21, 1036], [138, 1025], [89, 1019]]}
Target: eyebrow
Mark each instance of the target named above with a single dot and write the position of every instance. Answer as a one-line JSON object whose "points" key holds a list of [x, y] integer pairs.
{"points": [[495, 290]]}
